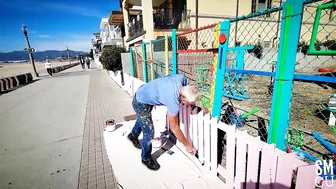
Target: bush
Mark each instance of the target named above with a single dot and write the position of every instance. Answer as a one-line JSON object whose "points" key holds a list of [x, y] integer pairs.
{"points": [[300, 45], [318, 45], [304, 49], [111, 57], [257, 50], [330, 44]]}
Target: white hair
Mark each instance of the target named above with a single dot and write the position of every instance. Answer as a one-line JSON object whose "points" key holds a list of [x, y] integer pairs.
{"points": [[191, 93]]}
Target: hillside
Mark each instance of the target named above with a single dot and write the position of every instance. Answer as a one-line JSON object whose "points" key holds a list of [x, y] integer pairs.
{"points": [[41, 55]]}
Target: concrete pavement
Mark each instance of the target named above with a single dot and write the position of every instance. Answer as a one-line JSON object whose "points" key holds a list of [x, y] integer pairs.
{"points": [[51, 131]]}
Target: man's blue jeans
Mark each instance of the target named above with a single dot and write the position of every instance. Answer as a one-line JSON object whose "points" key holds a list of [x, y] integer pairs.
{"points": [[143, 123]]}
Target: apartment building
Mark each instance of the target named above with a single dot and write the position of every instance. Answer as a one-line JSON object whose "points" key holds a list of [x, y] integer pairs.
{"points": [[110, 33], [96, 42], [146, 20]]}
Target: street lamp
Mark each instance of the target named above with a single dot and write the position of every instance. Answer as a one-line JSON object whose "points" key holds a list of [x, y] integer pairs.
{"points": [[68, 55], [28, 49]]}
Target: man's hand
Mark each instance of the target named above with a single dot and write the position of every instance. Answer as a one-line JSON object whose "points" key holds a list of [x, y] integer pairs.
{"points": [[190, 149], [174, 126]]}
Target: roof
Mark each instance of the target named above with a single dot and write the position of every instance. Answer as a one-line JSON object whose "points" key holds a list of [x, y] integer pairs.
{"points": [[116, 18]]}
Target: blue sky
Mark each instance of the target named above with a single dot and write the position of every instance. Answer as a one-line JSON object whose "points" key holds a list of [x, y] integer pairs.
{"points": [[52, 24]]}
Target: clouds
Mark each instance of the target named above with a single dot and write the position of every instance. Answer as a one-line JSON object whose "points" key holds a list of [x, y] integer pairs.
{"points": [[74, 41], [78, 45], [62, 7], [74, 9], [43, 36]]}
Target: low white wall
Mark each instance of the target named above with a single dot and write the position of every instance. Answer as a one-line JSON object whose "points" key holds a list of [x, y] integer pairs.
{"points": [[96, 59], [116, 76]]}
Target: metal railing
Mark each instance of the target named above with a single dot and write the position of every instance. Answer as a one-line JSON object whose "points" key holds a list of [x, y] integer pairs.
{"points": [[170, 18], [135, 27], [162, 19]]}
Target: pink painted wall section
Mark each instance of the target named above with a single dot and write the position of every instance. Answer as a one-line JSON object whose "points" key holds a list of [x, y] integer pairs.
{"points": [[207, 145], [306, 177], [253, 160], [241, 158], [284, 171], [267, 166], [267, 151]]}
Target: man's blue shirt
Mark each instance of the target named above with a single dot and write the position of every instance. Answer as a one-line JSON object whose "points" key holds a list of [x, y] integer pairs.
{"points": [[163, 91]]}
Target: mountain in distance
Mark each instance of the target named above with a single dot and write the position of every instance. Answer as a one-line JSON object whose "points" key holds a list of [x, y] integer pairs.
{"points": [[39, 56]]}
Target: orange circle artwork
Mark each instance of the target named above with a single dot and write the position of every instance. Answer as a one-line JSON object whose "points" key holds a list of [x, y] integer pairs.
{"points": [[222, 38]]}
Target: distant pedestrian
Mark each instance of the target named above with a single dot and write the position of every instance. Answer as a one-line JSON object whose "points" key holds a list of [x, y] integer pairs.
{"points": [[81, 61], [49, 67], [88, 62]]}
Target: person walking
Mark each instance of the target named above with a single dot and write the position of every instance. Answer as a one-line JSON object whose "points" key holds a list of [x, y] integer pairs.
{"points": [[49, 67], [88, 62], [167, 91], [81, 61]]}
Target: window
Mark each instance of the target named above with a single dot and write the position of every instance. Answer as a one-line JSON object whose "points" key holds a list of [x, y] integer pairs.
{"points": [[269, 5], [260, 5], [332, 14], [254, 6]]}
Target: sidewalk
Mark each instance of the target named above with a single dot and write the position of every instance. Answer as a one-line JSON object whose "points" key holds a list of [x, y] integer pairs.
{"points": [[42, 131], [52, 130], [106, 100]]}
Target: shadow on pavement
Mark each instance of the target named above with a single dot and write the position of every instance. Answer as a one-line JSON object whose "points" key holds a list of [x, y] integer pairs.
{"points": [[17, 87], [130, 117], [168, 141], [46, 76], [251, 184], [65, 74]]}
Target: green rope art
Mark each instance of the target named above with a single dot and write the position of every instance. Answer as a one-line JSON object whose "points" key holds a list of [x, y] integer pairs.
{"points": [[203, 71], [294, 138]]}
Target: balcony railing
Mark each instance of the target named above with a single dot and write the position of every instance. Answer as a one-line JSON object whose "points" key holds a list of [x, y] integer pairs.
{"points": [[135, 27], [162, 19], [170, 18]]}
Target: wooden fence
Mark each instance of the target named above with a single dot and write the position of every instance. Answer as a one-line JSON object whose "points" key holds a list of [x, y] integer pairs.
{"points": [[248, 161]]}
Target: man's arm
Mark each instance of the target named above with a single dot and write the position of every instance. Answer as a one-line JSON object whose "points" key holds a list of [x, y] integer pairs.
{"points": [[174, 126]]}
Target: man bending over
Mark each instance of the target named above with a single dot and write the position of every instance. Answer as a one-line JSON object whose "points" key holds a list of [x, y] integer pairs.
{"points": [[167, 91]]}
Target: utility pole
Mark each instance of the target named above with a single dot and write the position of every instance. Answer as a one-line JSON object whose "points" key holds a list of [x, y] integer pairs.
{"points": [[236, 29], [196, 23], [68, 55], [29, 50]]}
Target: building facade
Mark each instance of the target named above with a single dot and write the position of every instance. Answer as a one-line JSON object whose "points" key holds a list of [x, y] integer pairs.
{"points": [[146, 20]]}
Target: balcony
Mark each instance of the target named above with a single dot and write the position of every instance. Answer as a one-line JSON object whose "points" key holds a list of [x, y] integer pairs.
{"points": [[162, 19], [135, 27], [170, 18]]}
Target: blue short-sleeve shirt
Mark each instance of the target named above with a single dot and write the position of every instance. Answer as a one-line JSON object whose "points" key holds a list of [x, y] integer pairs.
{"points": [[163, 91]]}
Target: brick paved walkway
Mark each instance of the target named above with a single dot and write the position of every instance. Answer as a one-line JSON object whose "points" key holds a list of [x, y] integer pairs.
{"points": [[106, 100]]}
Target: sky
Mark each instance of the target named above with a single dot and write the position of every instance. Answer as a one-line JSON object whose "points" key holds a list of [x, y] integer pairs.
{"points": [[52, 24]]}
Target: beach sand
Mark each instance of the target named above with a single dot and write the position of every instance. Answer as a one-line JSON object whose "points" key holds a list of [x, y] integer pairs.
{"points": [[11, 69]]}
